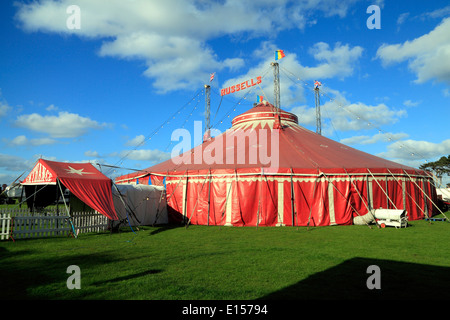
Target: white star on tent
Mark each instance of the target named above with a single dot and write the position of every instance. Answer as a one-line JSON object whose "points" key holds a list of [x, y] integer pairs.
{"points": [[75, 171]]}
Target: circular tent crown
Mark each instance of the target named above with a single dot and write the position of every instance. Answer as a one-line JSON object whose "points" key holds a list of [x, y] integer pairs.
{"points": [[263, 112]]}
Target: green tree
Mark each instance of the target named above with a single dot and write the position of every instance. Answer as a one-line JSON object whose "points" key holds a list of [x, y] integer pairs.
{"points": [[440, 167]]}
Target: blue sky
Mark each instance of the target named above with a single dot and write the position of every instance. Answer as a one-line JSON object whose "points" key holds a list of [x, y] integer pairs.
{"points": [[104, 90]]}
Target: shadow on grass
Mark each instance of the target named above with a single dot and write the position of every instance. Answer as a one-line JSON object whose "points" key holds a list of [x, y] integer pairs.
{"points": [[166, 227], [348, 281], [129, 277], [25, 278]]}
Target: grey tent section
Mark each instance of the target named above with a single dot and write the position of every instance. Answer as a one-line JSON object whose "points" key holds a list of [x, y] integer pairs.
{"points": [[143, 205]]}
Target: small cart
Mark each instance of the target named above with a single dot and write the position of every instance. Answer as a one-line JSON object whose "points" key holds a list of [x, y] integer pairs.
{"points": [[391, 218]]}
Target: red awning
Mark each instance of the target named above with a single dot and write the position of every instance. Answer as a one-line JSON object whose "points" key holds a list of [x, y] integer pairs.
{"points": [[82, 179]]}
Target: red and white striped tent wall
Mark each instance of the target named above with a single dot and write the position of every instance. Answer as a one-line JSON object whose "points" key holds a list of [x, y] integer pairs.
{"points": [[266, 170]]}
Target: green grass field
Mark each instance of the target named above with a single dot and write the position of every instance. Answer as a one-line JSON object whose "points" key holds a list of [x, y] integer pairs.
{"points": [[232, 263]]}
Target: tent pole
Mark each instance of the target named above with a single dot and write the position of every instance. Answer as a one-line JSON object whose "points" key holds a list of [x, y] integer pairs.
{"points": [[426, 196], [292, 199], [159, 205], [34, 197], [185, 201], [178, 183], [125, 205], [362, 199], [57, 201], [329, 181], [196, 201], [67, 209], [374, 179], [417, 205], [21, 197], [259, 200], [310, 207], [209, 196], [237, 192], [271, 196], [225, 206]]}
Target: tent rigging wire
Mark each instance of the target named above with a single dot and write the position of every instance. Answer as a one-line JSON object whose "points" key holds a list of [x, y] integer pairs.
{"points": [[374, 179], [161, 126], [195, 96], [161, 196], [426, 195], [406, 191], [244, 97], [126, 204], [67, 209], [184, 123], [362, 200], [357, 116]]}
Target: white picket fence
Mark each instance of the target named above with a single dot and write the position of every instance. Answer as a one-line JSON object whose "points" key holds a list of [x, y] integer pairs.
{"points": [[5, 223], [20, 225]]}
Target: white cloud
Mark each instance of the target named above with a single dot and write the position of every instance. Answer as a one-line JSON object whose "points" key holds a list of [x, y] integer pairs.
{"points": [[446, 92], [64, 125], [402, 18], [379, 137], [146, 155], [438, 13], [172, 36], [52, 107], [136, 141], [426, 55], [13, 163], [339, 61], [340, 114], [92, 154], [360, 116], [414, 149], [4, 109], [410, 103], [24, 141]]}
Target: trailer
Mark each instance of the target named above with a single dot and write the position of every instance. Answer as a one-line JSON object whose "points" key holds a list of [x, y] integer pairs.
{"points": [[391, 218]]}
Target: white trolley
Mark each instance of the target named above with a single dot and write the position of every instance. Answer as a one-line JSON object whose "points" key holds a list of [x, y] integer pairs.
{"points": [[391, 218]]}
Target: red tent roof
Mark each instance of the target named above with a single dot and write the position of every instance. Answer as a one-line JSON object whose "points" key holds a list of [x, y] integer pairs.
{"points": [[253, 142], [82, 179]]}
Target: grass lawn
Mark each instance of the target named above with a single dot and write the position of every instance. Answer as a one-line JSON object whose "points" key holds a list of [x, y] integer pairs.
{"points": [[232, 263]]}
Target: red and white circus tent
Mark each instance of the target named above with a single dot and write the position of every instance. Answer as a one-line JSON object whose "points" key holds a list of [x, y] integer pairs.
{"points": [[267, 170], [82, 179]]}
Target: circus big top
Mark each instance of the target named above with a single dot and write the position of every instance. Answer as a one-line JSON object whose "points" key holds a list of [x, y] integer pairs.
{"points": [[267, 170]]}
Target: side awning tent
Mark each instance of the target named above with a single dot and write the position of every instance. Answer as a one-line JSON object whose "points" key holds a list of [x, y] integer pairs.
{"points": [[142, 205], [82, 179]]}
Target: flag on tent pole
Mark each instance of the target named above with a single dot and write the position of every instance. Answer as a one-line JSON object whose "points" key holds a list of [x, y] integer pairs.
{"points": [[211, 78], [317, 84], [260, 99], [279, 54]]}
